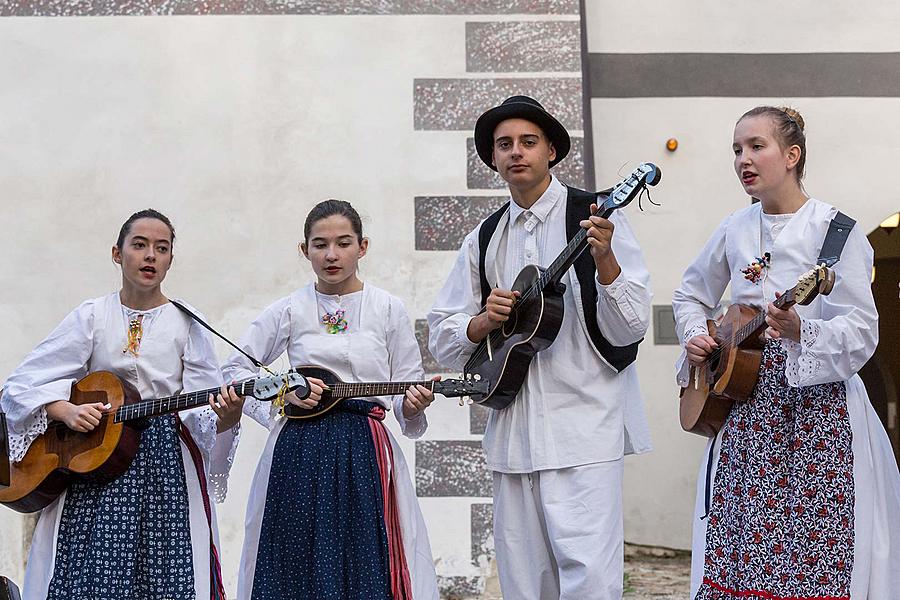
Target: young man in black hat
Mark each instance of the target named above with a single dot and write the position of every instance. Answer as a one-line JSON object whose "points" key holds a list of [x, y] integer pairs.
{"points": [[556, 452]]}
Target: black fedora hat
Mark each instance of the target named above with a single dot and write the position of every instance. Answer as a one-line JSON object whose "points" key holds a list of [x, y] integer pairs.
{"points": [[519, 107]]}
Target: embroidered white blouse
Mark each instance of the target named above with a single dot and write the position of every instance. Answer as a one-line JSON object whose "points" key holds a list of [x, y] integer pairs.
{"points": [[573, 409], [838, 332], [175, 355]]}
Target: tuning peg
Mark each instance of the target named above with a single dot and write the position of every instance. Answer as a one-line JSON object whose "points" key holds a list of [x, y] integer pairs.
{"points": [[477, 377], [462, 400]]}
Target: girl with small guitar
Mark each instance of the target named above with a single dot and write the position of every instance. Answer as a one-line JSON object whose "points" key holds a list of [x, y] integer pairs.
{"points": [[798, 493], [332, 512], [151, 532]]}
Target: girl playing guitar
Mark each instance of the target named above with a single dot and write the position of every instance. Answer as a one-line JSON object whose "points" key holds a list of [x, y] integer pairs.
{"points": [[800, 492], [150, 533]]}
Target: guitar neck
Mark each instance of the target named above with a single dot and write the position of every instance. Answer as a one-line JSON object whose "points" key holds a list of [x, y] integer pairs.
{"points": [[784, 302], [364, 390], [572, 251], [161, 406]]}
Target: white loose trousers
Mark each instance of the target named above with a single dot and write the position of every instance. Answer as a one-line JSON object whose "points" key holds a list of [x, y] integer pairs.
{"points": [[577, 512]]}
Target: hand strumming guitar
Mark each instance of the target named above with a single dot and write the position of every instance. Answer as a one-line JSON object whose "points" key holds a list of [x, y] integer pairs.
{"points": [[316, 388], [699, 347], [78, 417], [496, 312]]}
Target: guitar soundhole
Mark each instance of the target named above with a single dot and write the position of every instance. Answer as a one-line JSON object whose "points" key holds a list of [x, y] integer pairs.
{"points": [[509, 327]]}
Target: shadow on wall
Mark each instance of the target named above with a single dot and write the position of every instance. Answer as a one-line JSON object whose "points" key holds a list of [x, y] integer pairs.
{"points": [[882, 373]]}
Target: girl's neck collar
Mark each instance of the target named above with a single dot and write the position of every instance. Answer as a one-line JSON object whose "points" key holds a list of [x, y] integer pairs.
{"points": [[342, 289], [140, 301]]}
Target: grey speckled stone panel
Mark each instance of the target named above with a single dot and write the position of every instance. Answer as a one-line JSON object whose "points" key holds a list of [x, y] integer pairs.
{"points": [[442, 222], [482, 522], [455, 104], [459, 587], [76, 8], [451, 468], [480, 177], [478, 416], [523, 46], [429, 363]]}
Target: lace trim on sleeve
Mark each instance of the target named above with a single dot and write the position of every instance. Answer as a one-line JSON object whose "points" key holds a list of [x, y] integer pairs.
{"points": [[801, 364], [692, 332], [19, 443], [218, 476], [261, 412]]}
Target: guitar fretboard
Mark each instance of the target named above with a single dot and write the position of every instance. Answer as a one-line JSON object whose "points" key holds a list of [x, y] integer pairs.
{"points": [[361, 390], [159, 406], [786, 300]]}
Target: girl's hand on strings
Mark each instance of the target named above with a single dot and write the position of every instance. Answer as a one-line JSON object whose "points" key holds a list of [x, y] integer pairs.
{"points": [[418, 398], [699, 347], [783, 323], [316, 388], [228, 406], [78, 417]]}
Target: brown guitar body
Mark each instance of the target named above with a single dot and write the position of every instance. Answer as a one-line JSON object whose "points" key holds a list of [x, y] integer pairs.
{"points": [[713, 388], [60, 454]]}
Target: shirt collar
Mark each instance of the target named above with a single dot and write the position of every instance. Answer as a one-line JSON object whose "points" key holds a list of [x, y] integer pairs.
{"points": [[540, 209]]}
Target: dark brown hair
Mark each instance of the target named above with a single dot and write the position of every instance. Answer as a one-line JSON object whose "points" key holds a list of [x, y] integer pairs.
{"points": [[147, 213], [329, 208], [789, 129]]}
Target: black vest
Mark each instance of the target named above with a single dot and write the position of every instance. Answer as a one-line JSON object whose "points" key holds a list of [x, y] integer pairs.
{"points": [[578, 207]]}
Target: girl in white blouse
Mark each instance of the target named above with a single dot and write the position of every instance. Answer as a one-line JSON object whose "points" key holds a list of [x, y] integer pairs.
{"points": [[150, 533], [804, 491], [332, 513]]}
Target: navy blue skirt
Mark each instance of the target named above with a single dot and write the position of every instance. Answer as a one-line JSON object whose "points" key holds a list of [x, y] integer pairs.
{"points": [[323, 532]]}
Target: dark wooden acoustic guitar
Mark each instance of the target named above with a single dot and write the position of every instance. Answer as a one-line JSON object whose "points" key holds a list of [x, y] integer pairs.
{"points": [[730, 372], [60, 455], [504, 356], [339, 390]]}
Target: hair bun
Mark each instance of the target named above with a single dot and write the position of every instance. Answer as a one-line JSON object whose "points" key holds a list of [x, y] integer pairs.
{"points": [[794, 115]]}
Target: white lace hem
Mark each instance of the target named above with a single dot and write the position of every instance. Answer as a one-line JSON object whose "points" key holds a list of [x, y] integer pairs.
{"points": [[801, 365], [19, 443]]}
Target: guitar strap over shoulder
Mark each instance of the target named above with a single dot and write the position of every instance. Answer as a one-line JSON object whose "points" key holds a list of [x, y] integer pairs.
{"points": [[838, 232], [206, 325]]}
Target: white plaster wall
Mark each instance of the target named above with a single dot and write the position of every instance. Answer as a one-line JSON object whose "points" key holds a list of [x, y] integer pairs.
{"points": [[761, 26], [234, 127]]}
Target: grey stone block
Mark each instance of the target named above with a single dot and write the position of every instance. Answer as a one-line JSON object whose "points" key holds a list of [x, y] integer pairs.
{"points": [[442, 222], [482, 522], [96, 8], [525, 46], [451, 468], [455, 104]]}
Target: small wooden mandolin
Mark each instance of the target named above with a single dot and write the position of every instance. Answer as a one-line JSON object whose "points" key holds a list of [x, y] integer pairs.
{"points": [[60, 454], [339, 390], [730, 372]]}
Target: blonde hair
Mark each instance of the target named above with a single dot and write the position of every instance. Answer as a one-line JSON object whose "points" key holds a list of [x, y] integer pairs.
{"points": [[790, 129]]}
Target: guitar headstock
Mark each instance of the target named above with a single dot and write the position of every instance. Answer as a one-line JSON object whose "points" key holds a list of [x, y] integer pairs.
{"points": [[819, 280], [455, 388], [646, 174], [268, 388]]}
